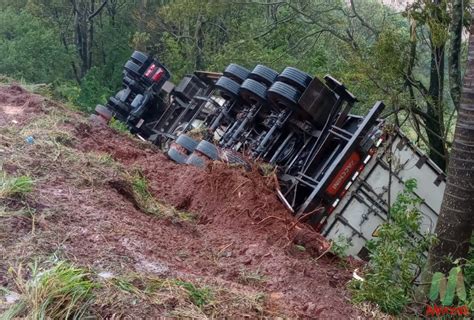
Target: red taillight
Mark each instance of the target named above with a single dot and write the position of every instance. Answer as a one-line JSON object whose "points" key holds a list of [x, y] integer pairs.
{"points": [[150, 70], [343, 175], [158, 75]]}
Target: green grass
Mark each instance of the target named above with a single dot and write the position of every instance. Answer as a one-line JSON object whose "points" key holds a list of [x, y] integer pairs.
{"points": [[119, 126], [60, 292], [200, 296], [14, 186]]}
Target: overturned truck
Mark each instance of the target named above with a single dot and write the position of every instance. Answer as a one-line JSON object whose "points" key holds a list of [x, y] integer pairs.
{"points": [[324, 156]]}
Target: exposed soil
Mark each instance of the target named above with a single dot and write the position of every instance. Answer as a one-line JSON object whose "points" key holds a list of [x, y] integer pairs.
{"points": [[241, 228], [17, 104]]}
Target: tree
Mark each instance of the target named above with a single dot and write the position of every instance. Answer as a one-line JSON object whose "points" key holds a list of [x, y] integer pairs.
{"points": [[29, 48], [456, 219]]}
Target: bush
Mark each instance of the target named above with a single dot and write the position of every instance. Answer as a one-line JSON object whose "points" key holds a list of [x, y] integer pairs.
{"points": [[396, 256]]}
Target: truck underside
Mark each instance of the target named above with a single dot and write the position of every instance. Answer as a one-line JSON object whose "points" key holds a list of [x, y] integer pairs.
{"points": [[322, 154]]}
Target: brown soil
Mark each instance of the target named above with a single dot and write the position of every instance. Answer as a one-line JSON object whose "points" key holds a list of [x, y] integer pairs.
{"points": [[241, 226]]}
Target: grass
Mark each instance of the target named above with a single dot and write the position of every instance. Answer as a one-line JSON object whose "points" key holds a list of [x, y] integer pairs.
{"points": [[148, 203], [251, 277], [14, 186], [119, 126], [179, 298], [266, 169], [25, 212], [64, 291], [199, 296], [60, 292]]}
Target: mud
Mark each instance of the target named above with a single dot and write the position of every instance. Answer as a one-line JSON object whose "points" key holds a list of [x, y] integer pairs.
{"points": [[17, 105], [241, 226]]}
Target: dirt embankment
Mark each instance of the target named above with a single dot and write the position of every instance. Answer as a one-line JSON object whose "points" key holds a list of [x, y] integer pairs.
{"points": [[241, 237]]}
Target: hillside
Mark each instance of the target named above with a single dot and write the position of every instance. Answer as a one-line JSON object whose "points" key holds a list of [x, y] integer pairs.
{"points": [[150, 238]]}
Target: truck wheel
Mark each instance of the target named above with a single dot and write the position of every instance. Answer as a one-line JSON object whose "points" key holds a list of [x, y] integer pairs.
{"points": [[236, 72], [253, 92], [186, 142], [119, 104], [282, 95], [132, 68], [196, 161], [228, 88], [296, 78], [139, 57], [208, 149], [177, 156], [263, 74], [103, 112]]}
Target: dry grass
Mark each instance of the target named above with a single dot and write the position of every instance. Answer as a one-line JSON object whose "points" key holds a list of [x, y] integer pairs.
{"points": [[178, 298], [250, 277], [64, 291], [373, 311]]}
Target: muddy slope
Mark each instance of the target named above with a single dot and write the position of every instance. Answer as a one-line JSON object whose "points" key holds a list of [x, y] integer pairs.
{"points": [[241, 235]]}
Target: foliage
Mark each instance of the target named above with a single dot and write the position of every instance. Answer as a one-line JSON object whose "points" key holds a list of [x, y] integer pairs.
{"points": [[396, 256], [340, 246], [60, 292], [119, 126], [29, 48], [14, 186]]}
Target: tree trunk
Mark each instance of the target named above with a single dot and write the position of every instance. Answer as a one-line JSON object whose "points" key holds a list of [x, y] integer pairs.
{"points": [[456, 219], [435, 118], [454, 60]]}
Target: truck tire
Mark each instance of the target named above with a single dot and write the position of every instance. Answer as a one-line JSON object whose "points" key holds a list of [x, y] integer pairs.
{"points": [[263, 74], [119, 104], [208, 149], [177, 156], [186, 142], [104, 112], [132, 68], [296, 78], [253, 92], [228, 88], [196, 161], [236, 73], [282, 95], [139, 57]]}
